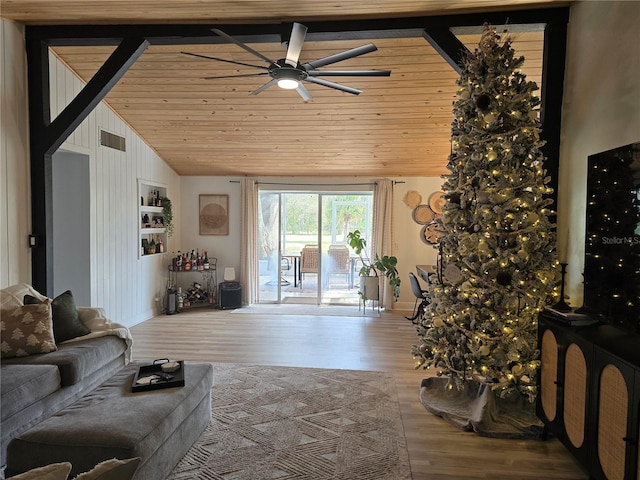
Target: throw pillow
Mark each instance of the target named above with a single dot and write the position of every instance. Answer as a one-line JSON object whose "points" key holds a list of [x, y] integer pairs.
{"points": [[27, 330], [66, 323], [112, 470], [55, 471]]}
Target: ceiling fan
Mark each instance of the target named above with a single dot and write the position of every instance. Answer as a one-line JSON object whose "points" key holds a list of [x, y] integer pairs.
{"points": [[289, 73]]}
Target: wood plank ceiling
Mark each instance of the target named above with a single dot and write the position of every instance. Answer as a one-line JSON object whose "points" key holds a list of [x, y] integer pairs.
{"points": [[398, 127]]}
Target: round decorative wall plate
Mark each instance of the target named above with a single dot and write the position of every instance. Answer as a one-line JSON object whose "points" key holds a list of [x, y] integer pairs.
{"points": [[437, 201], [422, 214], [430, 234], [412, 199]]}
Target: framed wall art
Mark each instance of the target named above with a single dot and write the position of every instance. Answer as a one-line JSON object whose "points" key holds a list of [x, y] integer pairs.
{"points": [[213, 214]]}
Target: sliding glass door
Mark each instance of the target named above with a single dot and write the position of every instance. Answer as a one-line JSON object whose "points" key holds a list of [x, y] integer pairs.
{"points": [[302, 244]]}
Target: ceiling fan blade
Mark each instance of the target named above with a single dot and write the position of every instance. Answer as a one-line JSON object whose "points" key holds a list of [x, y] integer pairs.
{"points": [[338, 57], [237, 76], [349, 73], [223, 60], [303, 92], [337, 86], [242, 45], [298, 32], [264, 87]]}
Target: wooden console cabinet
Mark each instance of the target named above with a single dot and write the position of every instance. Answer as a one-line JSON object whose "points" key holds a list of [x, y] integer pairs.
{"points": [[589, 395]]}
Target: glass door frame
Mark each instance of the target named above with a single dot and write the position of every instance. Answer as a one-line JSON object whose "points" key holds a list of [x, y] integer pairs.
{"points": [[321, 194]]}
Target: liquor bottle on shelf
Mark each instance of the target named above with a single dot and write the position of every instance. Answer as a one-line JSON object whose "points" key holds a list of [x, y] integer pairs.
{"points": [[180, 299], [159, 245], [152, 247], [205, 262], [187, 264]]}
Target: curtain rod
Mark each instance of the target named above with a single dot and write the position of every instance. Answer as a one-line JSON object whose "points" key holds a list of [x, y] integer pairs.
{"points": [[395, 182]]}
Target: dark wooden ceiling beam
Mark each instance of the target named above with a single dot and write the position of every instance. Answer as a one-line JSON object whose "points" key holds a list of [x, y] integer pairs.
{"points": [[41, 173], [191, 34], [447, 45], [94, 92], [551, 95]]}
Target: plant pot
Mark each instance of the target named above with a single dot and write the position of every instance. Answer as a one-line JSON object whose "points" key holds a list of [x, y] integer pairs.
{"points": [[369, 287]]}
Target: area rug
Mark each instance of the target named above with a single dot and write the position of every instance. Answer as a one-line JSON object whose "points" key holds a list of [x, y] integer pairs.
{"points": [[299, 423], [476, 408]]}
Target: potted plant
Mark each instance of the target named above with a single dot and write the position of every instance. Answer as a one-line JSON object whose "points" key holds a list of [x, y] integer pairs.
{"points": [[167, 214], [371, 271]]}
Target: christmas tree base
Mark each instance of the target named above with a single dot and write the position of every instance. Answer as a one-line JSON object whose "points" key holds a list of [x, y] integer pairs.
{"points": [[477, 409]]}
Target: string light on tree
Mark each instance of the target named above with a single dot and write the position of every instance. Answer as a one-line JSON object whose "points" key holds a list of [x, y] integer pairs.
{"points": [[498, 265]]}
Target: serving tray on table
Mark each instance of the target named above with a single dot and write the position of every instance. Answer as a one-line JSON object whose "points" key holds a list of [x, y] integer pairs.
{"points": [[163, 380]]}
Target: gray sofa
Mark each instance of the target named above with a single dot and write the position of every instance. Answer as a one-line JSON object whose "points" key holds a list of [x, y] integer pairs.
{"points": [[36, 387]]}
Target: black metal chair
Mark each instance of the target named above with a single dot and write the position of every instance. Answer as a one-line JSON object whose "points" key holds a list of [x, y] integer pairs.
{"points": [[421, 296]]}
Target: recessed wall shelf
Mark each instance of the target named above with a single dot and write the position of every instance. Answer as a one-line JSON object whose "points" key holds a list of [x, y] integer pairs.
{"points": [[152, 234]]}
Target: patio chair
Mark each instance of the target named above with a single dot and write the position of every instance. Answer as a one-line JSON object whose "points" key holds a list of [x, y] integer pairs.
{"points": [[285, 265], [308, 260], [339, 261]]}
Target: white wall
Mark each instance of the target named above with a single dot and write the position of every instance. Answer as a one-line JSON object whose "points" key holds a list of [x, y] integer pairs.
{"points": [[407, 245], [123, 284], [601, 110], [226, 248]]}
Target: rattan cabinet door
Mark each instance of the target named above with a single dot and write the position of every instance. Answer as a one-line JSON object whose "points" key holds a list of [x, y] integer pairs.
{"points": [[549, 374], [616, 427], [566, 361], [575, 395]]}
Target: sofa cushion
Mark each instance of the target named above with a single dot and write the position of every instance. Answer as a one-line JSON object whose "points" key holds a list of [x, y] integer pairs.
{"points": [[66, 323], [27, 330], [24, 385], [78, 359]]}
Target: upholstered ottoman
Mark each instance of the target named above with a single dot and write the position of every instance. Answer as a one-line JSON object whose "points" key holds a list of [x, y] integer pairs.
{"points": [[158, 426]]}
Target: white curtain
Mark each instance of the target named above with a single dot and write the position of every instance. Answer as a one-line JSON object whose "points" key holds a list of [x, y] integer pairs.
{"points": [[381, 237], [249, 235]]}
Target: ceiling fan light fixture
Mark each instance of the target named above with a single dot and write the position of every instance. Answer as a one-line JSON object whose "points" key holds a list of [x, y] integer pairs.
{"points": [[288, 77], [288, 83]]}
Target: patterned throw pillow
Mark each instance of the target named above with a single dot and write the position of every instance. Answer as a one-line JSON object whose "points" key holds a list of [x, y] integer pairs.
{"points": [[112, 470], [55, 471], [27, 330]]}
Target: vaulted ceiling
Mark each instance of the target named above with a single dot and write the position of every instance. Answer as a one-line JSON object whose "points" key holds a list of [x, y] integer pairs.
{"points": [[398, 126]]}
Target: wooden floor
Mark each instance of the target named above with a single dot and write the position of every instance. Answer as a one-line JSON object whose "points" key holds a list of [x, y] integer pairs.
{"points": [[436, 449]]}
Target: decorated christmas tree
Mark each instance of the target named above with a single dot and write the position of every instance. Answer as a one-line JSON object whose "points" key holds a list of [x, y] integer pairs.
{"points": [[497, 264]]}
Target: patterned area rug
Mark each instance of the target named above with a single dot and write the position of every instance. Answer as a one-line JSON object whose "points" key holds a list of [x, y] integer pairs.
{"points": [[299, 423]]}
